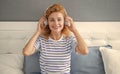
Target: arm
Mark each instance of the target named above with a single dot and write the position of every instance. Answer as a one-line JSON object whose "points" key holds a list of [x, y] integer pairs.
{"points": [[29, 48], [81, 45]]}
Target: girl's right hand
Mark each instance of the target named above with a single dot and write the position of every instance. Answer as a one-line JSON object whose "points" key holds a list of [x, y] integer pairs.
{"points": [[40, 24]]}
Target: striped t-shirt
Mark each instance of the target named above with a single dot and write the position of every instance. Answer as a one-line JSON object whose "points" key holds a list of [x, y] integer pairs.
{"points": [[55, 55]]}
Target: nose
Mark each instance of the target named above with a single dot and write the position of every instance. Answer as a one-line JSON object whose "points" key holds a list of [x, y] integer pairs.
{"points": [[56, 23]]}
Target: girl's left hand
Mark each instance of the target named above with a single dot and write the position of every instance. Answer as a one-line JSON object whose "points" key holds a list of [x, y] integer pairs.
{"points": [[71, 25]]}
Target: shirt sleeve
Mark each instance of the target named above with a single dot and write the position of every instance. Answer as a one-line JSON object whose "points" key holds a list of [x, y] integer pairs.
{"points": [[37, 44], [73, 42]]}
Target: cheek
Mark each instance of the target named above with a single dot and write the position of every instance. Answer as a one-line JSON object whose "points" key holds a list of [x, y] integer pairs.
{"points": [[62, 27], [50, 27], [62, 23]]}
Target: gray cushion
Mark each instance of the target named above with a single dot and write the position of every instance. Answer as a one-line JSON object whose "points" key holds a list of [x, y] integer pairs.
{"points": [[35, 73], [91, 63], [31, 64]]}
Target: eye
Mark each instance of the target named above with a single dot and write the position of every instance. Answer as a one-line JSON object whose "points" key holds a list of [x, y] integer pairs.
{"points": [[59, 19], [52, 20]]}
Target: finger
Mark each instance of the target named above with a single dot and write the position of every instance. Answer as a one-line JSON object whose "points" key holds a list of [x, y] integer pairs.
{"points": [[41, 21]]}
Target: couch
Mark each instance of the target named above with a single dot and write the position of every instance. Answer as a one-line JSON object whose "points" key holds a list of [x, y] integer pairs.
{"points": [[14, 35]]}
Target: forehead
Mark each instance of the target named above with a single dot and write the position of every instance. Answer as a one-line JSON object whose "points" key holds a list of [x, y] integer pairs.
{"points": [[56, 15]]}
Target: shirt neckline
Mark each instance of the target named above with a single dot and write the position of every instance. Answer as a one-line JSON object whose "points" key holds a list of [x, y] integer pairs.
{"points": [[56, 40]]}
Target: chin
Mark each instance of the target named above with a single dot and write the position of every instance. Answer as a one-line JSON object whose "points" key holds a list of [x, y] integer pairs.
{"points": [[57, 31]]}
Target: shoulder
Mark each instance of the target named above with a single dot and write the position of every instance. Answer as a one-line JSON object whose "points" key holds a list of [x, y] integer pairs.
{"points": [[71, 37], [40, 37]]}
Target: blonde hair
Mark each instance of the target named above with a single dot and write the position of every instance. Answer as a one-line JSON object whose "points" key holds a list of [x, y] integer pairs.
{"points": [[49, 11]]}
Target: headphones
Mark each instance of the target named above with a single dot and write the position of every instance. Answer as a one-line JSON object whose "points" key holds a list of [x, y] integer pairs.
{"points": [[66, 22]]}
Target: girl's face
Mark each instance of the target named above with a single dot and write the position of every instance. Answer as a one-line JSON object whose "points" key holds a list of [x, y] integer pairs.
{"points": [[56, 22]]}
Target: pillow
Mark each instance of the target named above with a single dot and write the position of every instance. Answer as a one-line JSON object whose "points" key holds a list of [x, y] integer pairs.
{"points": [[11, 63], [35, 73], [10, 70], [31, 64], [91, 63], [111, 59]]}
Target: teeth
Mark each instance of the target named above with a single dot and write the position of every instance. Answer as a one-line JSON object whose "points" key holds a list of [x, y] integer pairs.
{"points": [[56, 27]]}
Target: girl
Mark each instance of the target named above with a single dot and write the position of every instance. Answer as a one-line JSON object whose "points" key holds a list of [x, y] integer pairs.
{"points": [[54, 41]]}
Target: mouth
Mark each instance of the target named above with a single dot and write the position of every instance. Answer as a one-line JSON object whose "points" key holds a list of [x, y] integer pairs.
{"points": [[56, 27]]}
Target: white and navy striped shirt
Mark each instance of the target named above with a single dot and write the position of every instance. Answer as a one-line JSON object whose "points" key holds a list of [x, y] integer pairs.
{"points": [[55, 55]]}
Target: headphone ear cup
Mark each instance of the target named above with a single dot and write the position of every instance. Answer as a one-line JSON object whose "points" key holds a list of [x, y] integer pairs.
{"points": [[45, 22], [67, 23]]}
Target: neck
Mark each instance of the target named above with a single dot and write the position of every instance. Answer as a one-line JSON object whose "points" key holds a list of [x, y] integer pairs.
{"points": [[55, 36]]}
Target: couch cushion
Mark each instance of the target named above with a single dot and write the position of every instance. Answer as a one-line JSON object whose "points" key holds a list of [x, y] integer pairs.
{"points": [[111, 58], [35, 73], [31, 64], [11, 64], [87, 64]]}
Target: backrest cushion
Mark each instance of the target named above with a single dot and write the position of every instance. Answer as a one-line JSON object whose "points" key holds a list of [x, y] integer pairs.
{"points": [[31, 64], [91, 63]]}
